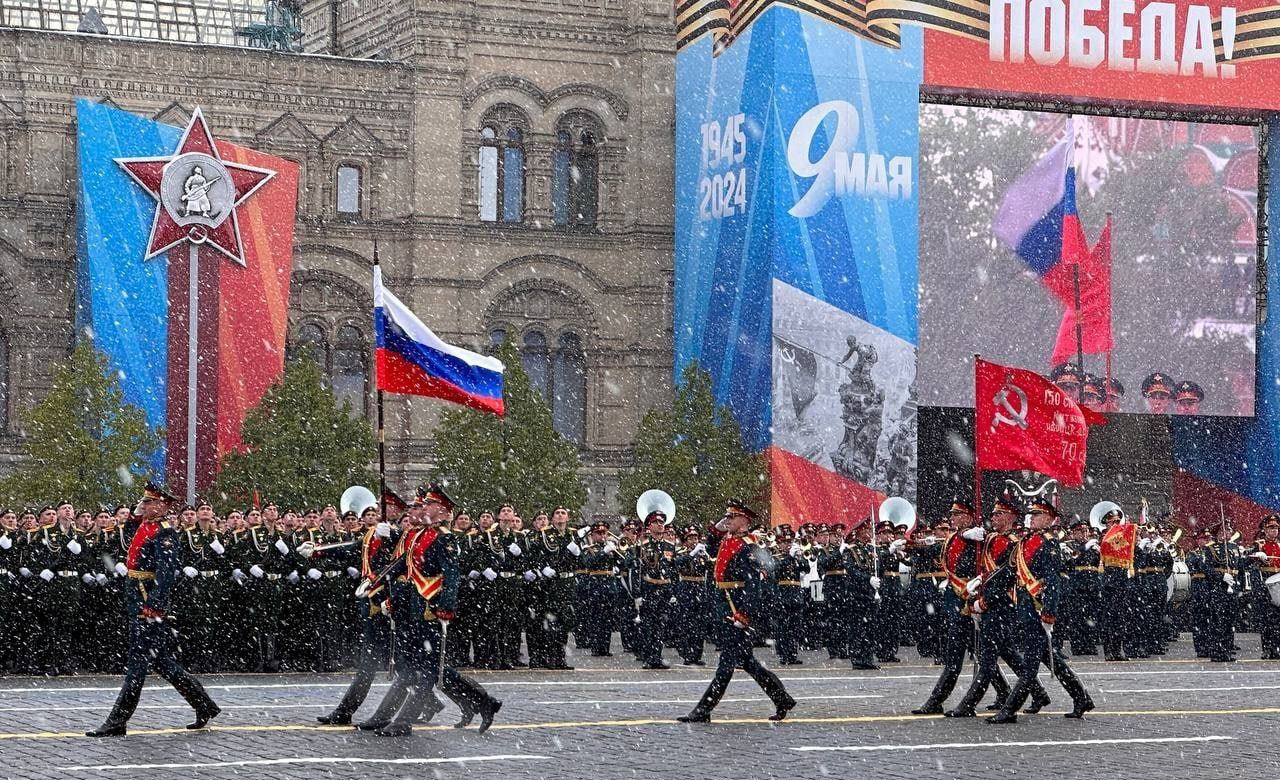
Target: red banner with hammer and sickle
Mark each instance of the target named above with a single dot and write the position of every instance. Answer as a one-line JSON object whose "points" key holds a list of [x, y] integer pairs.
{"points": [[1023, 421]]}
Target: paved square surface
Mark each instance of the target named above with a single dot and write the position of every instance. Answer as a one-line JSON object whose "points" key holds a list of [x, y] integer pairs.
{"points": [[1173, 717]]}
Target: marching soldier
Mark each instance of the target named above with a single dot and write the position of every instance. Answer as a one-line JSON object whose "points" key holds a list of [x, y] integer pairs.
{"points": [[790, 567], [152, 563], [689, 615], [1082, 590], [741, 584], [862, 585], [1117, 551], [1037, 566], [835, 594], [655, 559], [1265, 557]]}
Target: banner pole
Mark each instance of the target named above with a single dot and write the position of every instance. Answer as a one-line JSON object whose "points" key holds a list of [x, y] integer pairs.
{"points": [[382, 436], [1110, 320], [977, 468], [1075, 280]]}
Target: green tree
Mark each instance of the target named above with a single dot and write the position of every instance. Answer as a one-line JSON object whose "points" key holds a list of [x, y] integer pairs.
{"points": [[693, 450], [83, 442], [537, 469], [300, 448]]}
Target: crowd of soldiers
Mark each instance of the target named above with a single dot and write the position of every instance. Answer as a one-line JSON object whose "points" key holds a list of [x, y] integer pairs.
{"points": [[251, 600]]}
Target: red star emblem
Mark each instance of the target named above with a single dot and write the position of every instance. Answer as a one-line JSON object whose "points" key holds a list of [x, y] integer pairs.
{"points": [[196, 193]]}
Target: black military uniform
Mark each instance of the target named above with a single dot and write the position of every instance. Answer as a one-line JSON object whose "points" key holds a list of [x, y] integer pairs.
{"points": [[1082, 589], [741, 584], [153, 567], [1116, 608], [202, 625], [689, 613], [886, 624], [1220, 567], [59, 559], [862, 585], [599, 563], [1265, 560], [790, 567], [552, 596], [836, 609], [514, 572], [1153, 564], [11, 598], [655, 561], [923, 603]]}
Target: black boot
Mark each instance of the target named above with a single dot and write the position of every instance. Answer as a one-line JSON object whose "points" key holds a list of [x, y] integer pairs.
{"points": [[782, 708], [112, 728], [696, 716], [203, 717], [387, 709], [430, 710], [929, 708], [402, 725], [1038, 702], [487, 711], [1081, 707]]}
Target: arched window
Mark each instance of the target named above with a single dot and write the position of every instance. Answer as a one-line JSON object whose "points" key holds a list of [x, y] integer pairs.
{"points": [[537, 362], [575, 171], [349, 371], [501, 166], [348, 189], [496, 337], [309, 341], [569, 389]]}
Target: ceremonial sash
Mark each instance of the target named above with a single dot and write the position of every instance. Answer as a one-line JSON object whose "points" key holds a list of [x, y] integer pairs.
{"points": [[1118, 545], [950, 560], [143, 535], [728, 548], [1023, 555], [428, 585]]}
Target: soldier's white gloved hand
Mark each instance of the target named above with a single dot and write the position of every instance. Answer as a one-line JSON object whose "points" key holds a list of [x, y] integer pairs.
{"points": [[217, 547], [1227, 578], [256, 570], [238, 576], [490, 575], [190, 571], [473, 575], [5, 542], [931, 540], [382, 530], [353, 572], [698, 549], [1260, 555], [529, 576], [547, 571], [100, 578], [514, 549], [971, 587], [796, 550], [74, 547], [282, 547], [1144, 544], [975, 534], [1065, 548], [314, 574], [574, 549], [46, 575], [86, 578], [121, 569], [674, 600], [897, 544], [976, 607], [363, 590], [306, 549], [24, 571], [293, 577], [1092, 544], [844, 546], [875, 583], [610, 547], [942, 585]]}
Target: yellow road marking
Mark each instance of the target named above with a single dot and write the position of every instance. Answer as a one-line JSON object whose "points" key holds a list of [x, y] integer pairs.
{"points": [[642, 722]]}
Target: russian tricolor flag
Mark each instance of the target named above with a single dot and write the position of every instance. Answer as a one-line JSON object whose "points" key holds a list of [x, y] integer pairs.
{"points": [[1038, 219], [414, 361]]}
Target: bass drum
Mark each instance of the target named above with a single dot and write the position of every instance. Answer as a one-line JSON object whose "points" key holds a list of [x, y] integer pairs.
{"points": [[1273, 588], [1178, 588]]}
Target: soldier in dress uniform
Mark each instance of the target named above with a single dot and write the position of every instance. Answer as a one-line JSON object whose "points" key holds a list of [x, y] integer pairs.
{"points": [[1198, 606], [1187, 397], [655, 559], [740, 583], [1068, 377], [1082, 590], [1114, 395], [201, 627], [1153, 564], [689, 613], [486, 559], [62, 558], [1093, 392], [107, 550], [11, 595], [862, 583], [464, 641], [513, 573], [28, 621], [1116, 607], [1220, 566], [837, 608], [923, 605], [886, 623], [1264, 557], [1157, 391], [600, 562], [560, 568], [152, 563], [1036, 562], [788, 611]]}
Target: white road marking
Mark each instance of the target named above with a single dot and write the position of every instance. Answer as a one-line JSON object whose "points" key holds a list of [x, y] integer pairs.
{"points": [[306, 760], [1046, 743], [761, 697], [98, 707], [1194, 690]]}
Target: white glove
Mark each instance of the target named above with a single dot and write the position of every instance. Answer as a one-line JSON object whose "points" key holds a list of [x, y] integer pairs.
{"points": [[971, 587], [610, 547], [1260, 555], [514, 549], [1144, 544], [473, 575], [314, 574], [256, 570], [976, 608], [975, 534], [190, 571], [74, 547], [574, 549], [353, 572], [897, 544], [282, 547], [24, 571], [121, 569], [100, 578], [490, 575], [238, 576], [217, 547], [547, 571], [875, 583], [306, 549], [1092, 544], [46, 575], [844, 546], [382, 530], [698, 549], [796, 550], [942, 585], [1227, 578], [293, 577], [739, 624], [931, 540], [529, 576], [5, 542], [363, 590], [86, 578], [1065, 548]]}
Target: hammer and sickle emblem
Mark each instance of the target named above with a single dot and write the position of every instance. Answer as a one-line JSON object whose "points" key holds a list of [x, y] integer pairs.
{"points": [[1005, 410]]}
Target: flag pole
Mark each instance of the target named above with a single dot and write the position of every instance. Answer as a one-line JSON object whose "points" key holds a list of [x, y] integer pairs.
{"points": [[1110, 323], [1075, 280], [382, 436], [977, 469]]}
